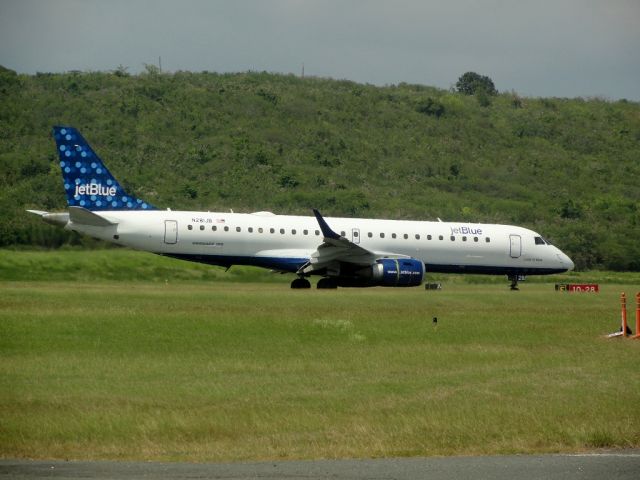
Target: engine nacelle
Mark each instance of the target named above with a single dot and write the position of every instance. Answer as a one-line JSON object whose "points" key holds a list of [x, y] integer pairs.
{"points": [[386, 272], [400, 272]]}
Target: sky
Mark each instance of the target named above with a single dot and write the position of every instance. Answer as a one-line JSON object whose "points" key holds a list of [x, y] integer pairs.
{"points": [[539, 48]]}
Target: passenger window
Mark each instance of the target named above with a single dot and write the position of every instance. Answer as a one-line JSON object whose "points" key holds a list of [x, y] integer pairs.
{"points": [[488, 240], [475, 239], [355, 234], [453, 239], [272, 230], [406, 236], [440, 237], [238, 229], [226, 229], [190, 227], [342, 234], [428, 237], [293, 232], [369, 234], [381, 235], [282, 231], [305, 232], [214, 228], [417, 236], [260, 230], [250, 229], [393, 235], [201, 227], [464, 239], [317, 232]]}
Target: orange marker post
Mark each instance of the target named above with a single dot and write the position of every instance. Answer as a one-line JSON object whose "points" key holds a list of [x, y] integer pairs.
{"points": [[637, 336], [623, 303]]}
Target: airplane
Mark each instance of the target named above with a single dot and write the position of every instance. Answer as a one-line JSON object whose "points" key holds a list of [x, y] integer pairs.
{"points": [[344, 252]]}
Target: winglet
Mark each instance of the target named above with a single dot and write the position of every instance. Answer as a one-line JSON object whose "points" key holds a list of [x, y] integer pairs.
{"points": [[326, 229]]}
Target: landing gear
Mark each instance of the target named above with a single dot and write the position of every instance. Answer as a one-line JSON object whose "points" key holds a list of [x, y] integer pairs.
{"points": [[300, 283], [514, 282], [327, 283]]}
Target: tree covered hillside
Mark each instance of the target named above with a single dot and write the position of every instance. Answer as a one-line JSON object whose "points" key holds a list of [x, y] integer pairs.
{"points": [[568, 168]]}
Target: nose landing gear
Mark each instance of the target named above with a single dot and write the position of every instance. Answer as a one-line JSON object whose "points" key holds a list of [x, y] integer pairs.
{"points": [[514, 281]]}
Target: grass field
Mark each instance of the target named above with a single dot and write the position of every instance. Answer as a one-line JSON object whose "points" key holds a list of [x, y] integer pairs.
{"points": [[213, 370]]}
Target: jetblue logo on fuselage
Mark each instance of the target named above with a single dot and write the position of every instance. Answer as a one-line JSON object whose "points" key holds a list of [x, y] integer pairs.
{"points": [[96, 189], [465, 230]]}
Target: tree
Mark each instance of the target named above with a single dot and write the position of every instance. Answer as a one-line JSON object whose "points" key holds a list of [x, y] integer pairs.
{"points": [[431, 107], [471, 82], [121, 71], [484, 99]]}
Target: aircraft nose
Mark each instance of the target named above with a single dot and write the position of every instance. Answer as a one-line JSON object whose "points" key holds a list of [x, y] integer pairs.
{"points": [[571, 264], [565, 261]]}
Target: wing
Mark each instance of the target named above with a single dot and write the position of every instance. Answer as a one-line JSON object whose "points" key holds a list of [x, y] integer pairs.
{"points": [[337, 249]]}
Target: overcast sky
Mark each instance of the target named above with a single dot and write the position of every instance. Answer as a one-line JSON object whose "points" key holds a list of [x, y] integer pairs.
{"points": [[561, 48]]}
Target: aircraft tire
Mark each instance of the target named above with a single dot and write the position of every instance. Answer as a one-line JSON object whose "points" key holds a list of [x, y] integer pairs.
{"points": [[327, 283], [300, 283]]}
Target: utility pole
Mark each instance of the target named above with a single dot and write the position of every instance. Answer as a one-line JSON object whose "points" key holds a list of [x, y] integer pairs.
{"points": [[160, 64]]}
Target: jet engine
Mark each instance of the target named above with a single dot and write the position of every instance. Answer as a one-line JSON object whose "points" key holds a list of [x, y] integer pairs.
{"points": [[402, 272], [386, 272]]}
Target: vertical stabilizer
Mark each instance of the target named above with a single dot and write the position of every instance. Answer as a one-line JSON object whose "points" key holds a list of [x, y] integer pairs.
{"points": [[87, 182]]}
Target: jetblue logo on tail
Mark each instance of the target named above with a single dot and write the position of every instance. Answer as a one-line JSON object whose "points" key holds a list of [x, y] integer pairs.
{"points": [[95, 189]]}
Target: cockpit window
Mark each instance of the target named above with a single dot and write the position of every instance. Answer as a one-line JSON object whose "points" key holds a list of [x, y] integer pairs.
{"points": [[541, 241]]}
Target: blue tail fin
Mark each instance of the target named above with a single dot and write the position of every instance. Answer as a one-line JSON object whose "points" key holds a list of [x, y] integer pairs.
{"points": [[87, 182]]}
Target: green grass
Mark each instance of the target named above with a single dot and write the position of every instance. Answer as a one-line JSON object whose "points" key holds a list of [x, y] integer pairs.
{"points": [[213, 371], [117, 264], [121, 264]]}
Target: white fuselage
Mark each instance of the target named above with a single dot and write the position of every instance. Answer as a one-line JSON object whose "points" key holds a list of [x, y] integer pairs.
{"points": [[284, 242]]}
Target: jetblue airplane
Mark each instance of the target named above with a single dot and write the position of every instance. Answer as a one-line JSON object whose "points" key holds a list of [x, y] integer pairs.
{"points": [[345, 252]]}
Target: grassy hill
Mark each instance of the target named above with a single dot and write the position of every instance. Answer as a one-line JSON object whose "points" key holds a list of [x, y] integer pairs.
{"points": [[568, 168]]}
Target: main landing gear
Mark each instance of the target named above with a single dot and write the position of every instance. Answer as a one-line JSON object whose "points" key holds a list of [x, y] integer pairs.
{"points": [[300, 283], [323, 284], [327, 283], [514, 282]]}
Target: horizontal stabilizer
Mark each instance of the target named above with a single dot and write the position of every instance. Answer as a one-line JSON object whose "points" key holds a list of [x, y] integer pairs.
{"points": [[60, 218], [87, 217], [41, 213]]}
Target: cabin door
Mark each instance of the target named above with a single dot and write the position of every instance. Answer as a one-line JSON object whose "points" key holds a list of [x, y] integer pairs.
{"points": [[355, 235], [516, 246], [170, 231]]}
